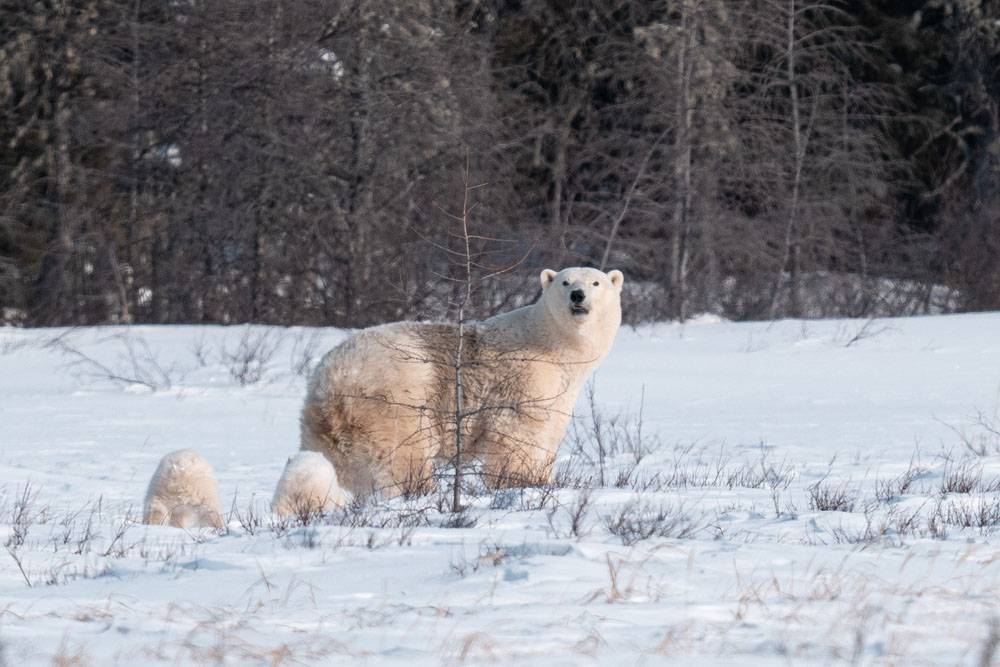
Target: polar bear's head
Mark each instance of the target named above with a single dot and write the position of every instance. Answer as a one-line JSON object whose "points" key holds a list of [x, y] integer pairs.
{"points": [[583, 297]]}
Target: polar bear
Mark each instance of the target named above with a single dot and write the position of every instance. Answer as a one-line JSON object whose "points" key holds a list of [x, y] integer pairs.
{"points": [[382, 405], [308, 485], [183, 492]]}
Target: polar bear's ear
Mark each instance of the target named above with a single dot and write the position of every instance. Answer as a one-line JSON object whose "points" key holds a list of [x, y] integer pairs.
{"points": [[617, 278], [548, 275]]}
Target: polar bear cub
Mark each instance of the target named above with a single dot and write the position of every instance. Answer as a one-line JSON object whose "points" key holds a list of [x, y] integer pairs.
{"points": [[381, 406], [307, 485], [183, 493]]}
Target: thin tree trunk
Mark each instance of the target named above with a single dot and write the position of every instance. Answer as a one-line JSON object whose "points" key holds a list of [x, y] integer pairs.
{"points": [[557, 222], [683, 166], [256, 272], [358, 209], [790, 247], [133, 199], [464, 299], [55, 283]]}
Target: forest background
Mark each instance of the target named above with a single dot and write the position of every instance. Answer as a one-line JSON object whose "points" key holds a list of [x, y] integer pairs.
{"points": [[293, 162]]}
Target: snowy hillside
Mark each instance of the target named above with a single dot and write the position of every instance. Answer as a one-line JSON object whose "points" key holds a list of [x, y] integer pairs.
{"points": [[806, 493]]}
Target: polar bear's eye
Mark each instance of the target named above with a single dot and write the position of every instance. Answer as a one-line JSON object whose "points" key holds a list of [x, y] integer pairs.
{"points": [[565, 282], [596, 283]]}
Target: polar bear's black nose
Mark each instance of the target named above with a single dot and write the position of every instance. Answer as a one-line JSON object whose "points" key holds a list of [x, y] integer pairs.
{"points": [[577, 296]]}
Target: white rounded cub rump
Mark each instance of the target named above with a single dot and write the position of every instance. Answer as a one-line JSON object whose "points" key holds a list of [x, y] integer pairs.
{"points": [[183, 493], [308, 485]]}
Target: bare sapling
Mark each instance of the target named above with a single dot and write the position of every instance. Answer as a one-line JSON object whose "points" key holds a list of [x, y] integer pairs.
{"points": [[464, 257], [467, 255]]}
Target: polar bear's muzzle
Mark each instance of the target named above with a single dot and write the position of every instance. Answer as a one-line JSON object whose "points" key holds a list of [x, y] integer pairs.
{"points": [[576, 303]]}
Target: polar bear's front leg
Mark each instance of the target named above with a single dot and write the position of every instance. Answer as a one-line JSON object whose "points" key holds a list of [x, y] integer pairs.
{"points": [[515, 461], [521, 451]]}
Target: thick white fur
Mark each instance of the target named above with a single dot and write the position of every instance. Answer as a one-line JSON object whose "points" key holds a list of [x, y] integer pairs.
{"points": [[307, 485], [381, 405], [183, 492]]}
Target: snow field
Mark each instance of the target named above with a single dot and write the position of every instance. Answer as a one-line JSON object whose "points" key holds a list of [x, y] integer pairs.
{"points": [[799, 492]]}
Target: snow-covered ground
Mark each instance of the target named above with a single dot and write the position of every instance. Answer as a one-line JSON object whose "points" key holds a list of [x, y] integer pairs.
{"points": [[801, 493]]}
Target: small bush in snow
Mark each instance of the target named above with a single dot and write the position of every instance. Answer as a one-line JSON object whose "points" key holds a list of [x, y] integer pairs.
{"points": [[641, 519], [248, 362], [829, 497]]}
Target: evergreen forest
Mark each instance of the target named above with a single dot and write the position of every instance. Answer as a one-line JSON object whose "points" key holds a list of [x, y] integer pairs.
{"points": [[307, 162]]}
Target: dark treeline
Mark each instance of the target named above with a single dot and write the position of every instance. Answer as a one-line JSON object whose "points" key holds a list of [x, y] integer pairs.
{"points": [[289, 162]]}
